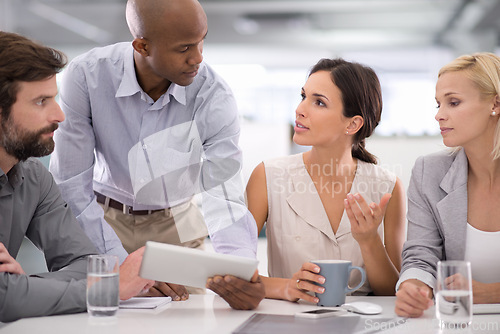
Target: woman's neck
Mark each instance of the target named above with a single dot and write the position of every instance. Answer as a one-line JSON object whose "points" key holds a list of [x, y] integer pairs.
{"points": [[325, 162], [482, 167]]}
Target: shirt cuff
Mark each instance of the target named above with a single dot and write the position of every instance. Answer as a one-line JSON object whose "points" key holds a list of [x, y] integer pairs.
{"points": [[118, 251], [244, 252], [419, 274]]}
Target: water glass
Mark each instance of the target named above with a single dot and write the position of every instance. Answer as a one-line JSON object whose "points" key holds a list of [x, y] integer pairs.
{"points": [[103, 291], [454, 294]]}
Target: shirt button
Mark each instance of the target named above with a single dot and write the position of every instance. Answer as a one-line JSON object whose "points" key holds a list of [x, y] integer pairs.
{"points": [[144, 147], [297, 238]]}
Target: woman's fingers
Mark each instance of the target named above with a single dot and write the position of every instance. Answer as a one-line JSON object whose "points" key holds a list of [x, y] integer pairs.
{"points": [[359, 207]]}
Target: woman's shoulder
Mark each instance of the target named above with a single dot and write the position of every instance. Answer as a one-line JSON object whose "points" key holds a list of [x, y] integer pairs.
{"points": [[440, 162], [441, 170], [288, 162], [375, 172]]}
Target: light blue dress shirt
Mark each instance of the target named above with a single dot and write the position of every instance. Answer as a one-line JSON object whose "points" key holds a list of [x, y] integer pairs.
{"points": [[150, 154]]}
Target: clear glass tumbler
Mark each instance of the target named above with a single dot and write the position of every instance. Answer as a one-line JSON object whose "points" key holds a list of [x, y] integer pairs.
{"points": [[454, 294], [103, 280]]}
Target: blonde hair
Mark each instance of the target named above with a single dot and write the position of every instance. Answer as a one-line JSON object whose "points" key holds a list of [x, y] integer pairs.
{"points": [[483, 69]]}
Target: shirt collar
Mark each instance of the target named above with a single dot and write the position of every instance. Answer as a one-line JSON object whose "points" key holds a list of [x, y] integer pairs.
{"points": [[129, 85], [3, 179], [15, 176], [177, 92]]}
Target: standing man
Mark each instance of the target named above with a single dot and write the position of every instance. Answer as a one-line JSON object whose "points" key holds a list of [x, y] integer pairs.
{"points": [[148, 126], [30, 202]]}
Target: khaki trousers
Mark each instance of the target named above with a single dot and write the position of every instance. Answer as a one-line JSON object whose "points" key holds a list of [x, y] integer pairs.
{"points": [[162, 226]]}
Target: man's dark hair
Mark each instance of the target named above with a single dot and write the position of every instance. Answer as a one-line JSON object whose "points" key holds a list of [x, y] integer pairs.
{"points": [[24, 60]]}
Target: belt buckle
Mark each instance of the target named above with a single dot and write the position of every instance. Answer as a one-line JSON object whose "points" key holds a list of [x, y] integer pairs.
{"points": [[126, 210]]}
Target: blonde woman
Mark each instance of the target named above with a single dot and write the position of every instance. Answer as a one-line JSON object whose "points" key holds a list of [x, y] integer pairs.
{"points": [[453, 198]]}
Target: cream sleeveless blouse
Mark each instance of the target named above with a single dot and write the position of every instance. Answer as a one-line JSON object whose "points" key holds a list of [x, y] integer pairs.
{"points": [[298, 229]]}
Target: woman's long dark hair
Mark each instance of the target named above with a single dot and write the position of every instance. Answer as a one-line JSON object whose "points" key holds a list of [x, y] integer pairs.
{"points": [[361, 95]]}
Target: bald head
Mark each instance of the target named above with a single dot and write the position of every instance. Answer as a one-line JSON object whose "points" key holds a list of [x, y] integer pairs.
{"points": [[147, 18]]}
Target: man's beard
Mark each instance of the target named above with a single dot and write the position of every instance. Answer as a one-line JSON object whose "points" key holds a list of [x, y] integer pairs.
{"points": [[23, 144]]}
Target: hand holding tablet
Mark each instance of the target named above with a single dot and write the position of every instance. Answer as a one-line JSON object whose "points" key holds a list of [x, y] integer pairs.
{"points": [[192, 267]]}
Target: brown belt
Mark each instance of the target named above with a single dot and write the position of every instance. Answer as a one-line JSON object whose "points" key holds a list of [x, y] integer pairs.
{"points": [[123, 207]]}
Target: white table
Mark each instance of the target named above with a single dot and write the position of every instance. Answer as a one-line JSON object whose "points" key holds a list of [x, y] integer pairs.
{"points": [[210, 314]]}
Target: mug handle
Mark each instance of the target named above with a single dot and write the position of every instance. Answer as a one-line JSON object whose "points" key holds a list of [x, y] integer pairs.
{"points": [[363, 278]]}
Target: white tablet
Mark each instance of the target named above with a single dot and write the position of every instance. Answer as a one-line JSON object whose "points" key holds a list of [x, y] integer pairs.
{"points": [[191, 267]]}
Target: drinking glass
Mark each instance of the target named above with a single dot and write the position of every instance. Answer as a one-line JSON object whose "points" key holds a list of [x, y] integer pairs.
{"points": [[454, 294], [103, 294]]}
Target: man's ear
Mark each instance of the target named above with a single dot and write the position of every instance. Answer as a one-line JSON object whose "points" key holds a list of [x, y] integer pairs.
{"points": [[355, 124], [141, 45]]}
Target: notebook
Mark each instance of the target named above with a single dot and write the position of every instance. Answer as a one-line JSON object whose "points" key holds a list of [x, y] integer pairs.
{"points": [[486, 308], [144, 302]]}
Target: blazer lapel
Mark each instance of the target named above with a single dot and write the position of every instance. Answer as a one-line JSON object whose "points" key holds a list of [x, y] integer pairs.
{"points": [[310, 209], [453, 208]]}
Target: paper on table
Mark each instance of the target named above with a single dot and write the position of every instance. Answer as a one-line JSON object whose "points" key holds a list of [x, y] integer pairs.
{"points": [[144, 302], [486, 308]]}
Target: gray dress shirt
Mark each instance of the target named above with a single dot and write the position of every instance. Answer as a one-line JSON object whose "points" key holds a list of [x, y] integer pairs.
{"points": [[150, 154], [31, 205]]}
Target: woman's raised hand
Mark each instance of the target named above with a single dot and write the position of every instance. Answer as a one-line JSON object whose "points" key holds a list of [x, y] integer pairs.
{"points": [[365, 219]]}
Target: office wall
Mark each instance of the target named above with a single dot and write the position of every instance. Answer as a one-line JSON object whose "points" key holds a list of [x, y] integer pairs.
{"points": [[261, 141]]}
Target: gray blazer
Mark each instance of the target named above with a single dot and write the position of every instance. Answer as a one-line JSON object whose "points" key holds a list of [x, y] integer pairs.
{"points": [[437, 215]]}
